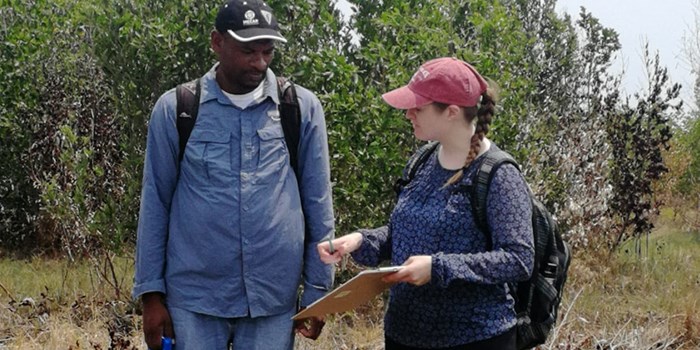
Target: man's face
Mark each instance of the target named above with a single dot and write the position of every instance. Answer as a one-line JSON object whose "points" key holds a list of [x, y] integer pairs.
{"points": [[242, 65]]}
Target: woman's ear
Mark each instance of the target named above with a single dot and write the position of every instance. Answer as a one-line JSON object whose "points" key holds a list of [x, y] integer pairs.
{"points": [[454, 111]]}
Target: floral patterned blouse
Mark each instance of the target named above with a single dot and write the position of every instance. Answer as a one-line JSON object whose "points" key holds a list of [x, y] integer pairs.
{"points": [[467, 298]]}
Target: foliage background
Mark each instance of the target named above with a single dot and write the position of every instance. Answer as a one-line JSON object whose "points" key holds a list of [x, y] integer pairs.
{"points": [[81, 77]]}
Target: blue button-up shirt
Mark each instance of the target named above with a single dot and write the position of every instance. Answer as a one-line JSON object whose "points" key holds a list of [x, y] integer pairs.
{"points": [[226, 236]]}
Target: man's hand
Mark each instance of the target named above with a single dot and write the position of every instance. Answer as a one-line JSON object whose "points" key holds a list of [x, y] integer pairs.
{"points": [[156, 320], [309, 327]]}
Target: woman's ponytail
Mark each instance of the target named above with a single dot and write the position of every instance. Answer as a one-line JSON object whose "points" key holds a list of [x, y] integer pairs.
{"points": [[484, 114]]}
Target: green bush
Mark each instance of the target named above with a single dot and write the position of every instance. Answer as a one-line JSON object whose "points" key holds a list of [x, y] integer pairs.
{"points": [[82, 77]]}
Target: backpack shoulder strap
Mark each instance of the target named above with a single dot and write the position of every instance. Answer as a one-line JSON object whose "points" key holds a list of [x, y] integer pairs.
{"points": [[414, 164], [290, 117], [187, 95], [543, 222], [493, 159]]}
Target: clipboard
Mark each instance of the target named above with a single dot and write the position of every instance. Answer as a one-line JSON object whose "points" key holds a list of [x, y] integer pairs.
{"points": [[351, 294]]}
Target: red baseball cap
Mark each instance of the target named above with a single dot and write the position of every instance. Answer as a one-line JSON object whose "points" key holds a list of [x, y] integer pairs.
{"points": [[445, 80]]}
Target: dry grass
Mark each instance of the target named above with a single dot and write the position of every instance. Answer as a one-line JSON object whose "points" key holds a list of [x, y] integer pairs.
{"points": [[620, 302], [56, 304], [359, 330], [630, 301]]}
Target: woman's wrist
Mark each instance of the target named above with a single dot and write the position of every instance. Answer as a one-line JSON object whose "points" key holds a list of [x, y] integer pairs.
{"points": [[357, 239]]}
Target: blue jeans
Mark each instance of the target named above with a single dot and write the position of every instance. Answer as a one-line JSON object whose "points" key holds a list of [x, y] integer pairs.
{"points": [[194, 331]]}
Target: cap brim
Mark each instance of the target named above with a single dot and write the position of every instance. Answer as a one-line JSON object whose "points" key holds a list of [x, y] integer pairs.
{"points": [[253, 34], [404, 98]]}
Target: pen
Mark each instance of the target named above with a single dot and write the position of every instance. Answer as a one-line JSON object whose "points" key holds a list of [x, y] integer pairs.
{"points": [[330, 246]]}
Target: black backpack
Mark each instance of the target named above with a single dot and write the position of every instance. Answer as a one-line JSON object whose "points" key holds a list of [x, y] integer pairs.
{"points": [[536, 299], [188, 94]]}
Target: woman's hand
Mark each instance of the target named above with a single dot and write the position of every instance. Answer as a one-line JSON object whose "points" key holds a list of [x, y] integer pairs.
{"points": [[417, 270], [333, 251]]}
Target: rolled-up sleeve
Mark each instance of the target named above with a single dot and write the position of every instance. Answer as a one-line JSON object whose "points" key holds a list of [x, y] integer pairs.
{"points": [[316, 196], [159, 180]]}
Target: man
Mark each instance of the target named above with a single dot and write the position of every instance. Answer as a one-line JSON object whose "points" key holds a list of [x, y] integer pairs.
{"points": [[221, 242]]}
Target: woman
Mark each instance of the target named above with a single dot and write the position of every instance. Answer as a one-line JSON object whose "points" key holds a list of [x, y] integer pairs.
{"points": [[452, 292]]}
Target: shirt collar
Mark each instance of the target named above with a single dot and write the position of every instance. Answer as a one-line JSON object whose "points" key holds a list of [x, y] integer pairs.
{"points": [[211, 89]]}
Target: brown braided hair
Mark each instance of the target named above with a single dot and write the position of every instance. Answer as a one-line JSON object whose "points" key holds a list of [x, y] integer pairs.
{"points": [[484, 114]]}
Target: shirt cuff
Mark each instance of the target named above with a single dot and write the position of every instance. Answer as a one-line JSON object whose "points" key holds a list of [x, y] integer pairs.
{"points": [[311, 294], [147, 287], [437, 271]]}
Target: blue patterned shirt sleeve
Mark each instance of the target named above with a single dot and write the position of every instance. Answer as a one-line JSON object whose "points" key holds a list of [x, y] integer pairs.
{"points": [[376, 246]]}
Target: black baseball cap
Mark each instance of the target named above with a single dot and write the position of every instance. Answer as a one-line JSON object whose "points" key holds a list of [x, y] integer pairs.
{"points": [[248, 20]]}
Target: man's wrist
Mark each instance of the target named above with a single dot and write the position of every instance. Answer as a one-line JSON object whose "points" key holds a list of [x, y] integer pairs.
{"points": [[152, 297]]}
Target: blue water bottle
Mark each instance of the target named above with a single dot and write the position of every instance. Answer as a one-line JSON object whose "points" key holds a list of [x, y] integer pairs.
{"points": [[167, 343]]}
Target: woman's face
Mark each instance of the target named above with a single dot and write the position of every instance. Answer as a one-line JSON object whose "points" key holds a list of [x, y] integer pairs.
{"points": [[429, 122]]}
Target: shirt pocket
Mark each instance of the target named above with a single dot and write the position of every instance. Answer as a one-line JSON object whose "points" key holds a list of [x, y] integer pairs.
{"points": [[210, 155], [273, 154]]}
